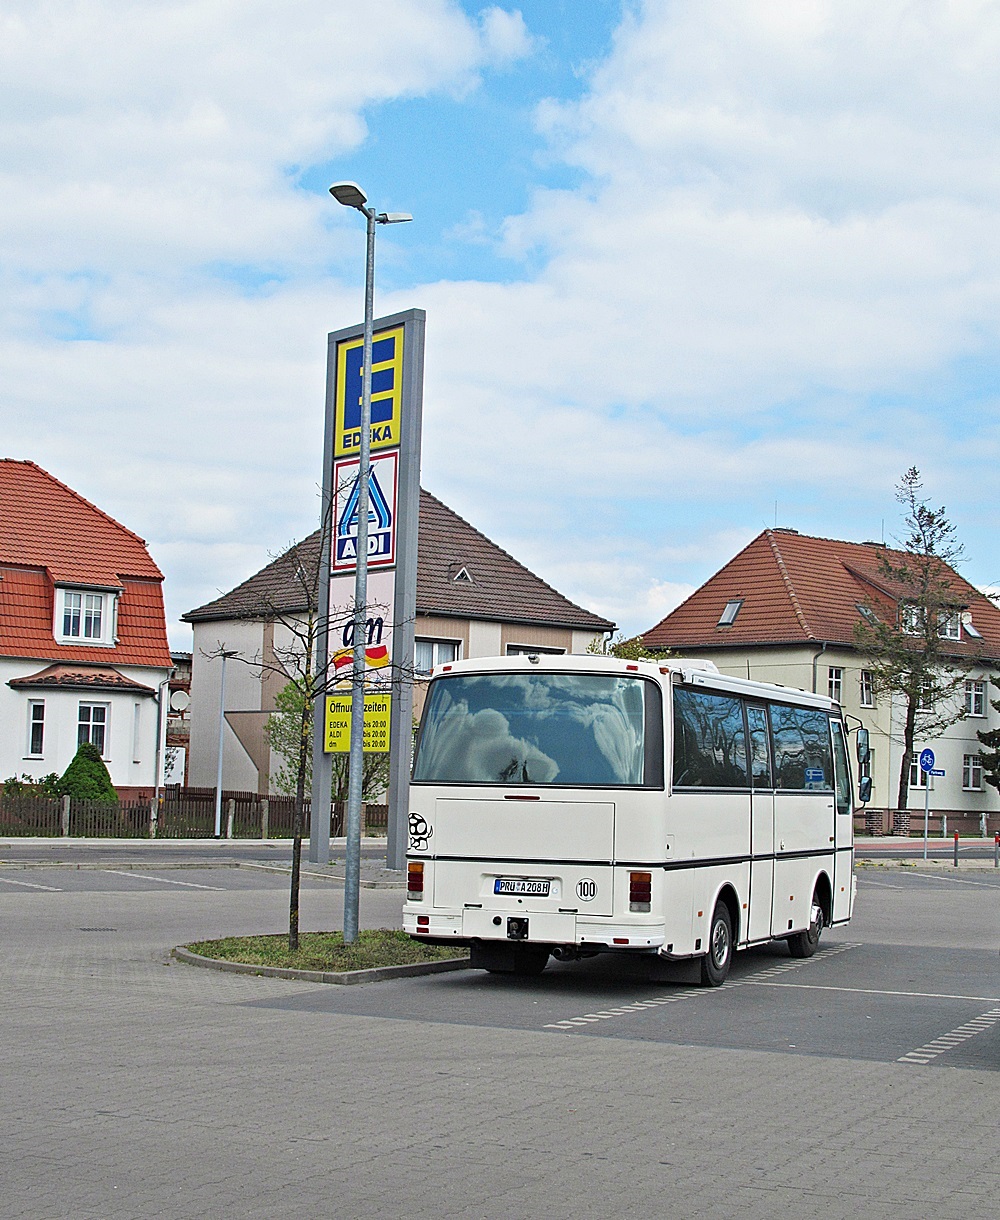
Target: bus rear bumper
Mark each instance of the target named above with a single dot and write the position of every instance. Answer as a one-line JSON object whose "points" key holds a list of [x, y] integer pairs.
{"points": [[531, 927]]}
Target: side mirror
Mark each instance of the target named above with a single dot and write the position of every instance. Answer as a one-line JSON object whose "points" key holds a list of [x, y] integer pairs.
{"points": [[863, 747], [865, 789]]}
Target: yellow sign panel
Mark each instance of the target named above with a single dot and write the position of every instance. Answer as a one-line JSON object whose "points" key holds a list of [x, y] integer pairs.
{"points": [[338, 724], [387, 391]]}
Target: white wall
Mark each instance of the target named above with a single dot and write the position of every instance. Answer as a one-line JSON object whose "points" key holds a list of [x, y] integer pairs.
{"points": [[243, 693], [131, 759]]}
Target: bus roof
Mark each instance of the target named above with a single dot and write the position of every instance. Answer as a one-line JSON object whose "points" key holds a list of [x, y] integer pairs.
{"points": [[691, 672]]}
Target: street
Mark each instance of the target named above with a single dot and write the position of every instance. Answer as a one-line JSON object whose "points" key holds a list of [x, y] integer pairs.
{"points": [[862, 1081]]}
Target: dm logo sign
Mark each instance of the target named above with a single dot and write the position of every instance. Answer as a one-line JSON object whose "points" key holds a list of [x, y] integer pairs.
{"points": [[382, 499], [387, 383]]}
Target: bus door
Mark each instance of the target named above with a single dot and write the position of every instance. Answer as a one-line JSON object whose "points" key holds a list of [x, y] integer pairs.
{"points": [[844, 830], [761, 824]]}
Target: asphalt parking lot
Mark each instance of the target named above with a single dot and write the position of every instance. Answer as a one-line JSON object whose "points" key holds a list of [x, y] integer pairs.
{"points": [[862, 1080]]}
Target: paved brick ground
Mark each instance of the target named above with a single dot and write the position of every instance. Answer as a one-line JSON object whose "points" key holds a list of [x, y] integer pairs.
{"points": [[133, 1087]]}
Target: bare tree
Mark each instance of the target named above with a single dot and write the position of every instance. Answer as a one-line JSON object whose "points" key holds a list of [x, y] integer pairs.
{"points": [[911, 652], [291, 607]]}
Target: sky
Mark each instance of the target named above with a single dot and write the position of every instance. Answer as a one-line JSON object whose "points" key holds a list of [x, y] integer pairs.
{"points": [[690, 270]]}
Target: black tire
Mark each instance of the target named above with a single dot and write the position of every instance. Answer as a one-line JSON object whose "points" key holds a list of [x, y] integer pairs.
{"points": [[805, 944], [716, 962]]}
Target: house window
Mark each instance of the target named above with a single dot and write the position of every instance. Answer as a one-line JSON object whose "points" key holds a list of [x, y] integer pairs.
{"points": [[918, 778], [92, 725], [835, 682], [972, 773], [84, 617], [911, 619], [867, 688], [950, 625], [975, 698], [928, 695], [728, 616], [532, 650], [428, 653], [36, 728]]}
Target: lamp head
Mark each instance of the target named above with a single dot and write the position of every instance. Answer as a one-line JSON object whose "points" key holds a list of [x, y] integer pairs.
{"points": [[393, 218], [349, 194]]}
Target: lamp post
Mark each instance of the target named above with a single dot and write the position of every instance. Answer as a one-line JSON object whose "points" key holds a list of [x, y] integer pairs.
{"points": [[352, 196], [222, 725]]}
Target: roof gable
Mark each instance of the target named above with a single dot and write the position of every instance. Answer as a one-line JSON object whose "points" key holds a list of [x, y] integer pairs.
{"points": [[45, 524], [498, 588]]}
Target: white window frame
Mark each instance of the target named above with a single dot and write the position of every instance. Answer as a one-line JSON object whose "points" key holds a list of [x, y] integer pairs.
{"points": [[435, 643], [35, 705], [866, 688], [950, 624], [84, 605], [972, 773], [911, 619], [975, 697], [925, 700], [918, 777], [835, 682], [92, 705]]}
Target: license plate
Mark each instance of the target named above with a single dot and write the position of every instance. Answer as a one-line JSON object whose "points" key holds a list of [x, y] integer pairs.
{"points": [[521, 885]]}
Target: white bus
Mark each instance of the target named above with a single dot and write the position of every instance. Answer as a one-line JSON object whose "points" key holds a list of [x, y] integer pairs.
{"points": [[572, 805]]}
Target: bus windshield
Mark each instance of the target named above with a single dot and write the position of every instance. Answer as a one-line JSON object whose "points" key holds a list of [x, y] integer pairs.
{"points": [[573, 730]]}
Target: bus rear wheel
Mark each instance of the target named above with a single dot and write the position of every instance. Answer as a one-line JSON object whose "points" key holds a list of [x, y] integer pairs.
{"points": [[716, 962], [805, 944]]}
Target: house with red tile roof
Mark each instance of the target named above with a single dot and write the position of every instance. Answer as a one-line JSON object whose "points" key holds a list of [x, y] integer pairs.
{"points": [[785, 609], [83, 638], [473, 600]]}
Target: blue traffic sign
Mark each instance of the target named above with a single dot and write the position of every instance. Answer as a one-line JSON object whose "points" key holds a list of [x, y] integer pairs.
{"points": [[926, 760], [937, 772]]}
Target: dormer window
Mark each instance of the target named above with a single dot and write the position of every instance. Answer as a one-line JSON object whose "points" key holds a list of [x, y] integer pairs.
{"points": [[85, 616], [462, 577], [950, 625], [867, 613], [728, 616]]}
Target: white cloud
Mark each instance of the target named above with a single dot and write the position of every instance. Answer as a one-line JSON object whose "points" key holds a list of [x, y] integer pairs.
{"points": [[787, 229]]}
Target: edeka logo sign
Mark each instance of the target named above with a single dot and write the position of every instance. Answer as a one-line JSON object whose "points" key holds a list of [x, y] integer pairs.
{"points": [[382, 501], [387, 384]]}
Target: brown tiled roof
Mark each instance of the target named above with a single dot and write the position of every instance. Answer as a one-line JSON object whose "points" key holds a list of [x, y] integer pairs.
{"points": [[76, 677], [499, 588], [45, 524], [49, 535], [799, 589]]}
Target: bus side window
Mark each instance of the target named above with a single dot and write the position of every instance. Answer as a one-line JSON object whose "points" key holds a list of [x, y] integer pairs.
{"points": [[760, 746], [710, 745], [803, 758]]}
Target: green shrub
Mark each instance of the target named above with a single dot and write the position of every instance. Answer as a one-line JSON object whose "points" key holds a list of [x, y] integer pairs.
{"points": [[86, 778]]}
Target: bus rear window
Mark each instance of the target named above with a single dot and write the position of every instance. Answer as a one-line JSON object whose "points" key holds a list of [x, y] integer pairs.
{"points": [[571, 730]]}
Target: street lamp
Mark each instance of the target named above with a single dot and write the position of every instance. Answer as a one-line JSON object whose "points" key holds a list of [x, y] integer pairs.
{"points": [[352, 196]]}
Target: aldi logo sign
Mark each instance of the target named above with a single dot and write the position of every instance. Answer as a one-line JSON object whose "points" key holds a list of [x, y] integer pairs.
{"points": [[382, 510]]}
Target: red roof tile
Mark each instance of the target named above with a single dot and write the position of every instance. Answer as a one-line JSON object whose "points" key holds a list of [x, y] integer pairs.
{"points": [[75, 677], [45, 524], [49, 535], [796, 589]]}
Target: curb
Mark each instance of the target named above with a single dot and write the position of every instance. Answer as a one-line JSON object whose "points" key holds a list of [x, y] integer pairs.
{"points": [[344, 977], [933, 866]]}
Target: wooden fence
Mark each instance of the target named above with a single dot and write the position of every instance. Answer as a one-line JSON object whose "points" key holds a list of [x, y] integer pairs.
{"points": [[182, 813]]}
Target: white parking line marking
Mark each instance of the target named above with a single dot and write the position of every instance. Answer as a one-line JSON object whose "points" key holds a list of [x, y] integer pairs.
{"points": [[656, 1001], [918, 995], [32, 885], [947, 1042], [191, 885], [982, 885]]}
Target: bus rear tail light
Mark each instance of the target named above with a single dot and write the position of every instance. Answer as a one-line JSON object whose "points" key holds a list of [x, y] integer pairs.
{"points": [[415, 881], [640, 891]]}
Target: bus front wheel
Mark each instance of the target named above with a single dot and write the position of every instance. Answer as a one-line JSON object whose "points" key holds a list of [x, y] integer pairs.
{"points": [[805, 944], [716, 962]]}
